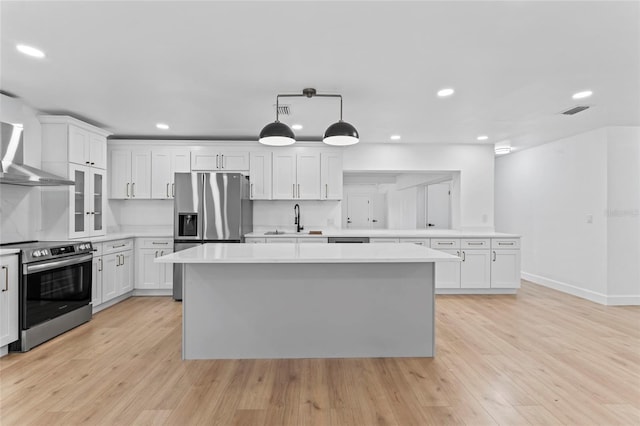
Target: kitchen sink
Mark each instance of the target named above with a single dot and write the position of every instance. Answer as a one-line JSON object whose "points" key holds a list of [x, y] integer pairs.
{"points": [[276, 232]]}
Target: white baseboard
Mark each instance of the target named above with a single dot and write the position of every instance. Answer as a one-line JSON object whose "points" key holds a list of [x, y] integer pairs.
{"points": [[152, 292], [593, 296], [4, 350], [476, 290]]}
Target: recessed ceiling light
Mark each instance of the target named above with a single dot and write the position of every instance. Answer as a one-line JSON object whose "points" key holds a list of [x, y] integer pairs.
{"points": [[582, 95], [443, 93], [30, 51], [162, 126], [395, 137], [297, 127], [503, 150], [482, 137]]}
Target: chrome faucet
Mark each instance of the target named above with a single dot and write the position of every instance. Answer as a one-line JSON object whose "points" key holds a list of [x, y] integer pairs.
{"points": [[296, 210]]}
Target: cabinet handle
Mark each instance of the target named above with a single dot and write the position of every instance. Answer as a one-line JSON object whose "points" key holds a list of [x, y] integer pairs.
{"points": [[326, 190], [293, 188], [162, 253], [443, 243], [121, 245], [155, 242], [505, 244], [118, 257], [173, 189], [298, 190], [494, 255], [156, 255], [251, 190], [127, 189], [222, 162], [475, 244], [217, 162], [122, 258], [167, 190], [100, 267], [6, 278], [458, 252], [133, 189], [464, 257]]}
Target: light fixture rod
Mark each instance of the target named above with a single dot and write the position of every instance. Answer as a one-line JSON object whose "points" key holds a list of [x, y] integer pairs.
{"points": [[309, 93]]}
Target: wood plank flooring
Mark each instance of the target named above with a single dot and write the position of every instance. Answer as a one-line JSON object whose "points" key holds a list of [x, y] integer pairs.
{"points": [[541, 357]]}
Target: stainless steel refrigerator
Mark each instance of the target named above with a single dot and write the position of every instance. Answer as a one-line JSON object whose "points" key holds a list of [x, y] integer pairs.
{"points": [[209, 208]]}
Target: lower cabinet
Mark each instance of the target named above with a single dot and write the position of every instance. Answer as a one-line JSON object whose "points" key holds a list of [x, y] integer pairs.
{"points": [[8, 299], [115, 268], [96, 275], [475, 268], [448, 273], [505, 269], [151, 275]]}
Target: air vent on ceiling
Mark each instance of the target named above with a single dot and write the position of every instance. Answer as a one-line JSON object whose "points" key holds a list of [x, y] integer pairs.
{"points": [[575, 110], [283, 109]]}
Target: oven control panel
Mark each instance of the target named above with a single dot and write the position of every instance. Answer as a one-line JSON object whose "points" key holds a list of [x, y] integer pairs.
{"points": [[46, 251]]}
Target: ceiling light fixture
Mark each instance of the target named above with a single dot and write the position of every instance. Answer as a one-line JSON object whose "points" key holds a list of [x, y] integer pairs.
{"points": [[30, 51], [443, 93], [482, 137], [582, 95], [502, 150], [340, 133], [395, 137], [162, 126]]}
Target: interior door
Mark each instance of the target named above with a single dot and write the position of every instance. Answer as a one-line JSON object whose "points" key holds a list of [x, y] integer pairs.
{"points": [[438, 209], [359, 211]]}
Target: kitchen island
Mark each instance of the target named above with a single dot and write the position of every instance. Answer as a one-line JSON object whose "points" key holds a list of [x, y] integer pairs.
{"points": [[307, 301]]}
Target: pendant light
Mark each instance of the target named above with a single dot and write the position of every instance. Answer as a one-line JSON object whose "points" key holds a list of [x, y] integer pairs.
{"points": [[340, 133]]}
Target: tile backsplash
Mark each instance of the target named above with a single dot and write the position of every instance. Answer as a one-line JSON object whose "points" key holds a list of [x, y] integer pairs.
{"points": [[315, 215]]}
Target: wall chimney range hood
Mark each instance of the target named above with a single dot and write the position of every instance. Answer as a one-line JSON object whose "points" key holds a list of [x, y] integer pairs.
{"points": [[13, 171]]}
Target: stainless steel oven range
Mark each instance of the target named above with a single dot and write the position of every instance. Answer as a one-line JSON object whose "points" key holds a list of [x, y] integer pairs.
{"points": [[55, 289]]}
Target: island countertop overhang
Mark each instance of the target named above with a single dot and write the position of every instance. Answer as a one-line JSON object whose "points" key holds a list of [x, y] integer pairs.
{"points": [[226, 253]]}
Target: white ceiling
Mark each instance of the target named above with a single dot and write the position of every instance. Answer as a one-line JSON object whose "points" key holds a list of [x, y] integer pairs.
{"points": [[213, 69]]}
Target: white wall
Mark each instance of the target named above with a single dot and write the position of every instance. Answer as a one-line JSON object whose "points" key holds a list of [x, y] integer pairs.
{"points": [[556, 196], [122, 214], [20, 205], [474, 162], [623, 213]]}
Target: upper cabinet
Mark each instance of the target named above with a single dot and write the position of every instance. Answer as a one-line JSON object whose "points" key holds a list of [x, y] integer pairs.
{"points": [[296, 175], [260, 175], [164, 164], [130, 173], [331, 175], [210, 160], [77, 150]]}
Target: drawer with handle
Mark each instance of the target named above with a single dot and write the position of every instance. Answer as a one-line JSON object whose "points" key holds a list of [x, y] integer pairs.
{"points": [[505, 243], [475, 243], [117, 246], [445, 243], [155, 243]]}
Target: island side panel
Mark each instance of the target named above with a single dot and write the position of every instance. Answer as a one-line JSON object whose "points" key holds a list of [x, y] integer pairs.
{"points": [[239, 311]]}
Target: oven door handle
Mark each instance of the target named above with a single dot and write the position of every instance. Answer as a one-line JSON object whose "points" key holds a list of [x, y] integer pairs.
{"points": [[29, 269]]}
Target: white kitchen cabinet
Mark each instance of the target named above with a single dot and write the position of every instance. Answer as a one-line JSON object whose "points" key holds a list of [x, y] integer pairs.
{"points": [[151, 275], [296, 175], [281, 240], [8, 299], [87, 202], [117, 272], [130, 173], [97, 267], [383, 240], [475, 268], [219, 160], [419, 241], [260, 175], [448, 273], [312, 240], [331, 175], [255, 240], [505, 268], [66, 139], [164, 163]]}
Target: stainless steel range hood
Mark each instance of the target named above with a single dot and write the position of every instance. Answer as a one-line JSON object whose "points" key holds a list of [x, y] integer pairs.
{"points": [[13, 171]]}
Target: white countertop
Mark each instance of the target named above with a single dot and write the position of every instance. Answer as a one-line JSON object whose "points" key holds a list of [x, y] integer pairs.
{"points": [[389, 233], [307, 253], [4, 252]]}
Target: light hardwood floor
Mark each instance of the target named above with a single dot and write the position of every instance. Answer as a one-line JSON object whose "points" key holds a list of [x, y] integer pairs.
{"points": [[541, 357]]}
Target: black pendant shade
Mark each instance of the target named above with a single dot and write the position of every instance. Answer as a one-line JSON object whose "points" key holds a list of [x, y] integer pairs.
{"points": [[277, 134], [341, 134]]}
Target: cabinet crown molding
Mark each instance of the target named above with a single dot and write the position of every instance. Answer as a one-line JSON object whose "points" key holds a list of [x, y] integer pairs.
{"points": [[67, 119]]}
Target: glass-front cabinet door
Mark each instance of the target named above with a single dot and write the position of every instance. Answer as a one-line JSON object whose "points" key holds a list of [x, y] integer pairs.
{"points": [[80, 209], [87, 202], [99, 200]]}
